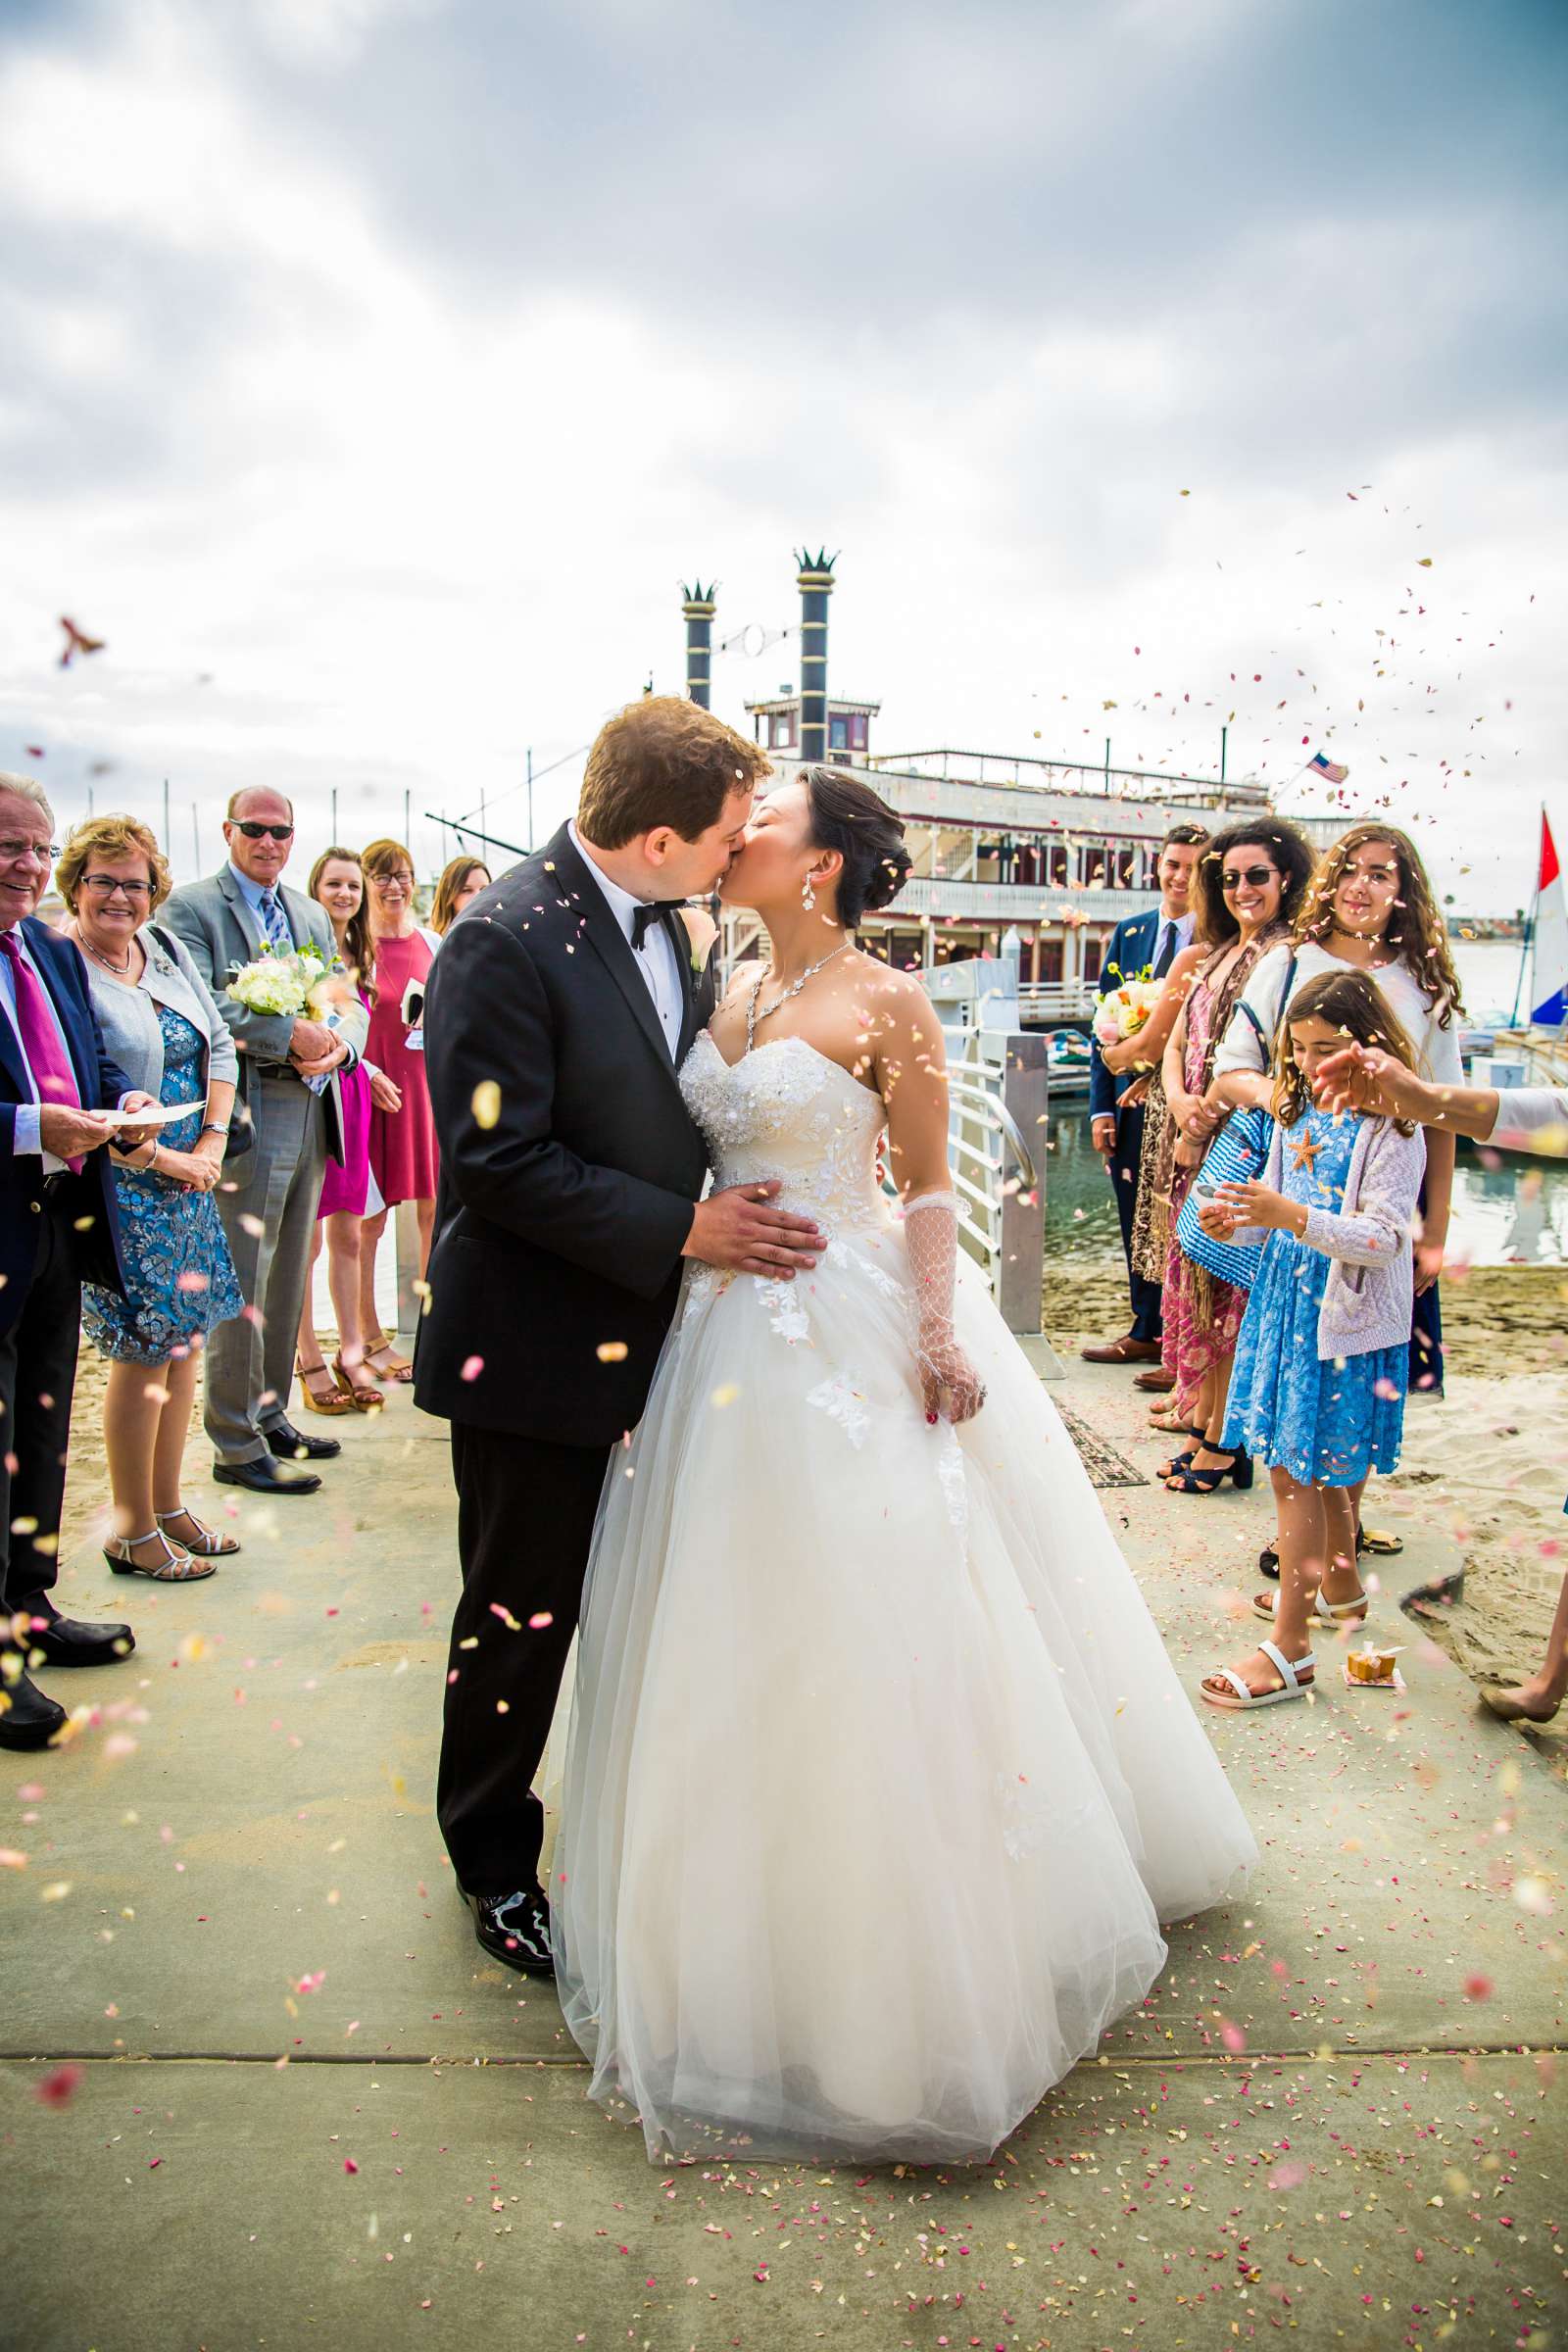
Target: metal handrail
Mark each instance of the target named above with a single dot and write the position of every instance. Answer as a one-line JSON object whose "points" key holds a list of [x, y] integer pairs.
{"points": [[998, 1118]]}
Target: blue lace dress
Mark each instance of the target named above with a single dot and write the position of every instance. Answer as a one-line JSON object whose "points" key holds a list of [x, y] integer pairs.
{"points": [[1326, 1424], [179, 1278]]}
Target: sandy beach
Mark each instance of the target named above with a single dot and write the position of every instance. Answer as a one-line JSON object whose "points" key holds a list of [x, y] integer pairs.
{"points": [[1486, 1465]]}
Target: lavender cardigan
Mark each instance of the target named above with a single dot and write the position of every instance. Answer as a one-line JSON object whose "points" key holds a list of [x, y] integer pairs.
{"points": [[1370, 1289]]}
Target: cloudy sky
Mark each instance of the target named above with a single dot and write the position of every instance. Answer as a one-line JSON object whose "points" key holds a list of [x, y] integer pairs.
{"points": [[373, 370]]}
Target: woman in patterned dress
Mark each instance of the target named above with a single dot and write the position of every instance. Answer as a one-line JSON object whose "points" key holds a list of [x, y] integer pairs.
{"points": [[167, 1033], [1249, 882]]}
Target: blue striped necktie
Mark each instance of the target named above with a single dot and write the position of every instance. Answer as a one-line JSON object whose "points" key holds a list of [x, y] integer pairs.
{"points": [[274, 924]]}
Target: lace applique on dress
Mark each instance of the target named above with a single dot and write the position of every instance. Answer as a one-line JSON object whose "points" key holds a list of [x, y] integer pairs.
{"points": [[843, 1403], [1026, 1816], [951, 1479], [785, 1313], [787, 1111]]}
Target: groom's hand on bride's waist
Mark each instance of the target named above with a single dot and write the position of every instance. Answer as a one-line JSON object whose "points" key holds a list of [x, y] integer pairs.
{"points": [[741, 1230]]}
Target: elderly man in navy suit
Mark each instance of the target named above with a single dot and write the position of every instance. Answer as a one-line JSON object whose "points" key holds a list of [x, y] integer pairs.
{"points": [[1148, 941], [56, 1228]]}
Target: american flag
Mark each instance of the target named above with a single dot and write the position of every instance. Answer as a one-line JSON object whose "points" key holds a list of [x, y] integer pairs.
{"points": [[1328, 768]]}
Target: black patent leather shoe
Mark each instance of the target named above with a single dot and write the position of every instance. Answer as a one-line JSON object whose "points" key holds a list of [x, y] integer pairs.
{"points": [[28, 1718], [263, 1476], [513, 1928], [291, 1444], [67, 1641]]}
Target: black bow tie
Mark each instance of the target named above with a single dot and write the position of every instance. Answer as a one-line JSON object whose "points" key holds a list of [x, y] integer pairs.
{"points": [[648, 912]]}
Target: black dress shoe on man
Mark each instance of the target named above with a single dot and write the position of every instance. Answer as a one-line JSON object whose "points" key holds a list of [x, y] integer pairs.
{"points": [[263, 1476], [513, 1928], [27, 1719], [291, 1444], [67, 1641]]}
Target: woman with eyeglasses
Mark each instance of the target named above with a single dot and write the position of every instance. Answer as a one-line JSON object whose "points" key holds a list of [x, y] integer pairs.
{"points": [[338, 883], [1249, 882], [403, 1152], [163, 1027]]}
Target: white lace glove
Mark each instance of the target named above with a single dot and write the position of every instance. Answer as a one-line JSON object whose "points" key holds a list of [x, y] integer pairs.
{"points": [[931, 1237]]}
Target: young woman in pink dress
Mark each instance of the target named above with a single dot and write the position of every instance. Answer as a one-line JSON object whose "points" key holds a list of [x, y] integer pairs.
{"points": [[402, 1144], [338, 884]]}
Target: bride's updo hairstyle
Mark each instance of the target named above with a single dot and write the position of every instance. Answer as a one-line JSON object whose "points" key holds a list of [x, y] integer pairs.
{"points": [[847, 816]]}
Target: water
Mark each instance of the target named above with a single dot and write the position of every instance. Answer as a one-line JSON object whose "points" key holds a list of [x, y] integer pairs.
{"points": [[1489, 975], [1506, 1210]]}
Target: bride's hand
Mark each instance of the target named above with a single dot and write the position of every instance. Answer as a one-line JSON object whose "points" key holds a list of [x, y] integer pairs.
{"points": [[946, 1373]]}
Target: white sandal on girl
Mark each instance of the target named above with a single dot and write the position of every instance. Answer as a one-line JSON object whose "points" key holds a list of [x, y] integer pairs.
{"points": [[1244, 1698], [1327, 1612]]}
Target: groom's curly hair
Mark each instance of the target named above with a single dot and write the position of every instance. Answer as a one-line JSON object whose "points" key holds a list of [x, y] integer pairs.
{"points": [[663, 761]]}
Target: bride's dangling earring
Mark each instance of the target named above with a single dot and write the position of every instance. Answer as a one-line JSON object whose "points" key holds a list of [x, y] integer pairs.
{"points": [[807, 894]]}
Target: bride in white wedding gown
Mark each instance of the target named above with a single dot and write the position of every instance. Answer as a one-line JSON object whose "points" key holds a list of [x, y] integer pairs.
{"points": [[879, 1781]]}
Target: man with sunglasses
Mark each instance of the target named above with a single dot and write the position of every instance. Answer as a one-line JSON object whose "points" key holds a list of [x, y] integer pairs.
{"points": [[284, 1129]]}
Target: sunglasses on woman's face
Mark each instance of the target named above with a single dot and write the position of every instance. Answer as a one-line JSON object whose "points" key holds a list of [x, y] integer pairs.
{"points": [[255, 832], [1254, 877]]}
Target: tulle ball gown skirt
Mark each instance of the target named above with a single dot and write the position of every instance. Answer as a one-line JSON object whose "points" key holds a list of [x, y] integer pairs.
{"points": [[879, 1781]]}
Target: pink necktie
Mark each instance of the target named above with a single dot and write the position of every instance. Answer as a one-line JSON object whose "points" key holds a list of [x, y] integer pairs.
{"points": [[41, 1040]]}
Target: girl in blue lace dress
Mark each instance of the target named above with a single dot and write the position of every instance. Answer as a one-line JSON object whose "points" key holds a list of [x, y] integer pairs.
{"points": [[1319, 1381]]}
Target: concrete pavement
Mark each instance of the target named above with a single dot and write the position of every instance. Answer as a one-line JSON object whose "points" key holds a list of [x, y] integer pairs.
{"points": [[258, 2086]]}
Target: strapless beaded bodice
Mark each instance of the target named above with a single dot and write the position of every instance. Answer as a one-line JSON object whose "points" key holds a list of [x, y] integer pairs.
{"points": [[785, 1110]]}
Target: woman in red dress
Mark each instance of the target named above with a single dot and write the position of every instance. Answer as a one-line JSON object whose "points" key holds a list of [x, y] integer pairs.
{"points": [[403, 1152]]}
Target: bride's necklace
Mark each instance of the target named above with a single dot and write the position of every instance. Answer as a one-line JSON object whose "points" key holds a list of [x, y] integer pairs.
{"points": [[752, 1017]]}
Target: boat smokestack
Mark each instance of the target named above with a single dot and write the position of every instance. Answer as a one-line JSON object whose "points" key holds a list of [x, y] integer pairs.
{"points": [[699, 609], [815, 583]]}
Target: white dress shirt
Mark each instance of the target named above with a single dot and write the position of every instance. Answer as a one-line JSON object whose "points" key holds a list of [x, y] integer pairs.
{"points": [[1181, 925], [1536, 1116], [654, 958]]}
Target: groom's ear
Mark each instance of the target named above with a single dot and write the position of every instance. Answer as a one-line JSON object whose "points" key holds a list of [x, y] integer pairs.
{"points": [[657, 845]]}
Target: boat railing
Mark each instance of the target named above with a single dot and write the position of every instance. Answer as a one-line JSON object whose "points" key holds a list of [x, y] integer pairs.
{"points": [[1042, 1001]]}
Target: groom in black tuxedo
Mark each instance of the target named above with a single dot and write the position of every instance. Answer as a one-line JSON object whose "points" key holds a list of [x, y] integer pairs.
{"points": [[556, 1016]]}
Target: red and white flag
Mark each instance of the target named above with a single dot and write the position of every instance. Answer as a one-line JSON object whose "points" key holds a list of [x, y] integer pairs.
{"points": [[1549, 969]]}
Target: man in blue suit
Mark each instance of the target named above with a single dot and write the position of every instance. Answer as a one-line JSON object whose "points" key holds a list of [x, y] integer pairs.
{"points": [[56, 1228], [1140, 942]]}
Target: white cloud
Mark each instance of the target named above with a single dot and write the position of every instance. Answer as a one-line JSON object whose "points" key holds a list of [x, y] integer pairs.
{"points": [[407, 440]]}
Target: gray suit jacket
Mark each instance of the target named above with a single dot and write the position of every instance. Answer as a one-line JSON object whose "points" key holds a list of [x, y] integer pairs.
{"points": [[212, 919]]}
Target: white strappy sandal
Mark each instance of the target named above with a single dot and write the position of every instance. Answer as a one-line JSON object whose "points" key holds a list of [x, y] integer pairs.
{"points": [[176, 1567], [205, 1544], [1242, 1698], [1327, 1612]]}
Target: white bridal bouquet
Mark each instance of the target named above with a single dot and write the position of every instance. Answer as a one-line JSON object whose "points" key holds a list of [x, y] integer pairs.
{"points": [[1122, 1011], [297, 984]]}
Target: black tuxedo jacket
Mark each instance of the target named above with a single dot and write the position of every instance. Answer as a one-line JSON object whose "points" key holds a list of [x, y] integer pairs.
{"points": [[556, 1264], [100, 1082]]}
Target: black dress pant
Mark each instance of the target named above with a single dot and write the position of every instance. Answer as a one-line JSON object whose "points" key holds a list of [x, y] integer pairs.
{"points": [[525, 1523], [1123, 1165], [37, 1375], [1426, 1331]]}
